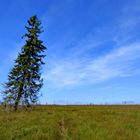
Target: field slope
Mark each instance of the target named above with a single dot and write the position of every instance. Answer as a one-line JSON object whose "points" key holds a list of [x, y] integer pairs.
{"points": [[71, 123]]}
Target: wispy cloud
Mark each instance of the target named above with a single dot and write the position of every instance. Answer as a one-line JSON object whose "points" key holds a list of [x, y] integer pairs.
{"points": [[117, 63], [78, 67], [128, 22]]}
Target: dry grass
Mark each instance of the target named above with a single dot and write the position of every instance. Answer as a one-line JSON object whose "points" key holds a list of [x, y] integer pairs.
{"points": [[71, 123]]}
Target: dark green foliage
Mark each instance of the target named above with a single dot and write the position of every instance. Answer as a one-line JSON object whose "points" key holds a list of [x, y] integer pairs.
{"points": [[24, 80]]}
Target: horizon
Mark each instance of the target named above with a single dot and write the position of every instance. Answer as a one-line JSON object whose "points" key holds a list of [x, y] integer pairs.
{"points": [[93, 54]]}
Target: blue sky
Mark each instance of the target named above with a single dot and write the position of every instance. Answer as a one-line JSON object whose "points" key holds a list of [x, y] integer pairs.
{"points": [[93, 46]]}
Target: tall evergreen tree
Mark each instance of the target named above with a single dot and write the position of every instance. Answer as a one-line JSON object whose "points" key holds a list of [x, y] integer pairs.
{"points": [[24, 80]]}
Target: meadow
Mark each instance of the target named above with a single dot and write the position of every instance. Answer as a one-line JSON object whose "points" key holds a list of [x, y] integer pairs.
{"points": [[50, 122]]}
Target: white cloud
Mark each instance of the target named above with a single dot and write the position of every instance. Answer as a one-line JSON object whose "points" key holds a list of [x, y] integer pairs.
{"points": [[117, 63], [127, 22]]}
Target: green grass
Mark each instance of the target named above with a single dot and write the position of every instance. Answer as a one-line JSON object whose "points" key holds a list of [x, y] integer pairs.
{"points": [[71, 123]]}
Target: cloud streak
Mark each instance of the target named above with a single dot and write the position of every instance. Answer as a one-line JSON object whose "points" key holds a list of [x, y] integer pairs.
{"points": [[79, 65], [116, 64]]}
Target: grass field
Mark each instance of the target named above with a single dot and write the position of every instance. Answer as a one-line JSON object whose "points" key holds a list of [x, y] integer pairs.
{"points": [[71, 123]]}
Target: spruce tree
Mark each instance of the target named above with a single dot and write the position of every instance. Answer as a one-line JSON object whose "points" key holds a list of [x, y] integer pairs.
{"points": [[24, 80]]}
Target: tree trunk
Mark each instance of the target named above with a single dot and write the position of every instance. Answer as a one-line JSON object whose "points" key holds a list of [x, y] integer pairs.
{"points": [[18, 98], [16, 103]]}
